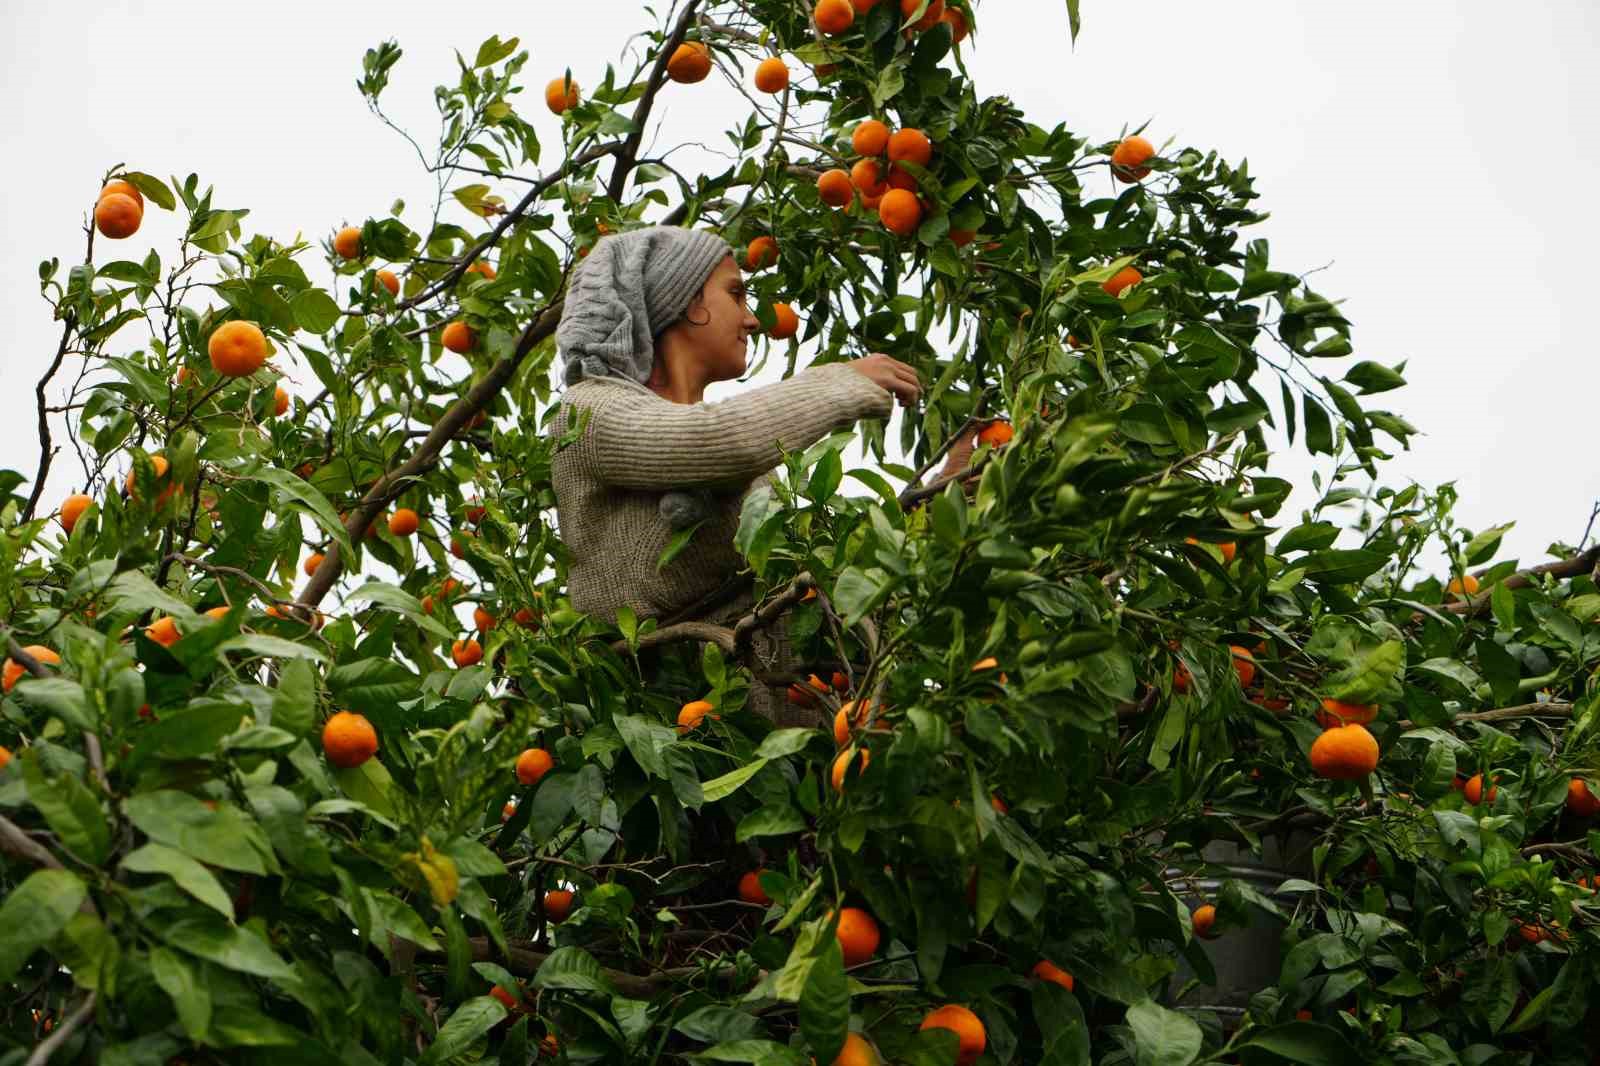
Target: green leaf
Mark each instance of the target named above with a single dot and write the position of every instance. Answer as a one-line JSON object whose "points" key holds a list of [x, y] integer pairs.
{"points": [[402, 602], [1372, 377], [1367, 674], [493, 51], [373, 685], [314, 311], [221, 837], [34, 913], [769, 822], [781, 742], [470, 1021], [825, 1003], [646, 740], [1073, 21], [714, 1024], [60, 696], [294, 701], [189, 994], [268, 647], [726, 785], [189, 875], [371, 784], [857, 593], [1311, 536], [1163, 1037], [573, 969], [70, 809], [310, 501], [1061, 1023], [1319, 429], [1306, 1042], [1481, 549], [231, 946], [1341, 567]]}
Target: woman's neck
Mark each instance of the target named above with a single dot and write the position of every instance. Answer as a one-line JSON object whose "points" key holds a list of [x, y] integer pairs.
{"points": [[670, 381]]}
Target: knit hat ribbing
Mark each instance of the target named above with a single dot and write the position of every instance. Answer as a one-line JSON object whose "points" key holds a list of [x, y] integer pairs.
{"points": [[631, 287]]}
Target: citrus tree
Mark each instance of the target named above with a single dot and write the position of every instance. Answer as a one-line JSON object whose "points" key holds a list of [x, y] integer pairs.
{"points": [[308, 759]]}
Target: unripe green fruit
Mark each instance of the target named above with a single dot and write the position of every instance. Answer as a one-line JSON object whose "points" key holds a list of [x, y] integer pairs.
{"points": [[1068, 499]]}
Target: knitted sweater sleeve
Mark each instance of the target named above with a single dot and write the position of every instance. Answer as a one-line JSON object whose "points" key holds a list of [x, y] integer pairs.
{"points": [[641, 441]]}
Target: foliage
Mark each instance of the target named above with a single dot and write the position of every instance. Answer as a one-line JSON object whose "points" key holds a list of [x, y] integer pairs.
{"points": [[187, 878]]}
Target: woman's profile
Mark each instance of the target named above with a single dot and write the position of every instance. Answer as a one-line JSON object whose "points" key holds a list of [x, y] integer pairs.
{"points": [[652, 317]]}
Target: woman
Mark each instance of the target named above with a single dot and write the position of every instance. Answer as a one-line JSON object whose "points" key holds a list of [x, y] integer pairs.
{"points": [[652, 317]]}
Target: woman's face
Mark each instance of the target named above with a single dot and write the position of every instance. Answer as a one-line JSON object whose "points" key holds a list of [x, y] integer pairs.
{"points": [[719, 324]]}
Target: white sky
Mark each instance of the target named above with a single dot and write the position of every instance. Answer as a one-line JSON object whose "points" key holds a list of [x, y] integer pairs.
{"points": [[1434, 156]]}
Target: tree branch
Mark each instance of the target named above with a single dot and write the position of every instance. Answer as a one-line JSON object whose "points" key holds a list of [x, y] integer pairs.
{"points": [[1581, 563], [629, 153], [525, 962], [1501, 714], [68, 1026], [46, 451]]}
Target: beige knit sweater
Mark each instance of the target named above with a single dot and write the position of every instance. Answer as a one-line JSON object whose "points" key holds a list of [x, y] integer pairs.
{"points": [[638, 446]]}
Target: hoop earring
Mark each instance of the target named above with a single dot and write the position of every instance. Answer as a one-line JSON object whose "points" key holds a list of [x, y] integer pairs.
{"points": [[692, 322]]}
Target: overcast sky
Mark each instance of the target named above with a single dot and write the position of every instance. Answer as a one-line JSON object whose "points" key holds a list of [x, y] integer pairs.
{"points": [[1434, 157]]}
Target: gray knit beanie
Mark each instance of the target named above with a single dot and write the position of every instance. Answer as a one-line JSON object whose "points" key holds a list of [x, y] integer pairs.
{"points": [[631, 287]]}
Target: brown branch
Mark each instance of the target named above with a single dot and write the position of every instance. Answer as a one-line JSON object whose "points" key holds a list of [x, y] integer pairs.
{"points": [[68, 1026], [911, 498], [460, 413], [949, 442], [13, 841], [629, 153], [599, 151], [764, 615], [1500, 714], [1582, 563], [525, 962], [46, 450], [704, 632]]}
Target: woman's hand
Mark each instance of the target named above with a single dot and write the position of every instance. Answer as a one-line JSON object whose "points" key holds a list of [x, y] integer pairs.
{"points": [[890, 374]]}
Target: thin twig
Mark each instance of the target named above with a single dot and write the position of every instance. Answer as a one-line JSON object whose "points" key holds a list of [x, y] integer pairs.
{"points": [[629, 152], [68, 1026]]}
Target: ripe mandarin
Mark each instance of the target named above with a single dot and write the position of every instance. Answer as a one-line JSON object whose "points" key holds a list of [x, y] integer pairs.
{"points": [[348, 740], [533, 764], [237, 349]]}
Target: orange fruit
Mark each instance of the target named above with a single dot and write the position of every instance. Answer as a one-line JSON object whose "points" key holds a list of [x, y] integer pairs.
{"points": [[1045, 970], [1126, 278], [348, 739], [954, 1017], [863, 6], [833, 17], [834, 188], [850, 717], [1203, 918], [13, 671], [750, 889], [856, 1050], [218, 612], [389, 280], [237, 348], [996, 433], [403, 522], [871, 137], [481, 268], [508, 810], [549, 1046], [958, 23], [347, 243], [1244, 665], [280, 402], [466, 653], [1473, 790], [986, 663], [690, 63], [911, 145], [1466, 582], [1181, 679], [72, 509], [900, 212], [482, 620], [1337, 712], [526, 618], [505, 996], [557, 904], [313, 561], [427, 605], [5, 756], [164, 631], [691, 714], [787, 324], [561, 94], [458, 337], [1344, 753], [858, 935], [963, 237], [1580, 801], [867, 177], [934, 13], [1129, 157], [817, 683], [772, 76], [841, 766], [533, 764], [763, 252], [475, 514], [117, 216], [902, 179], [841, 683], [126, 188]]}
